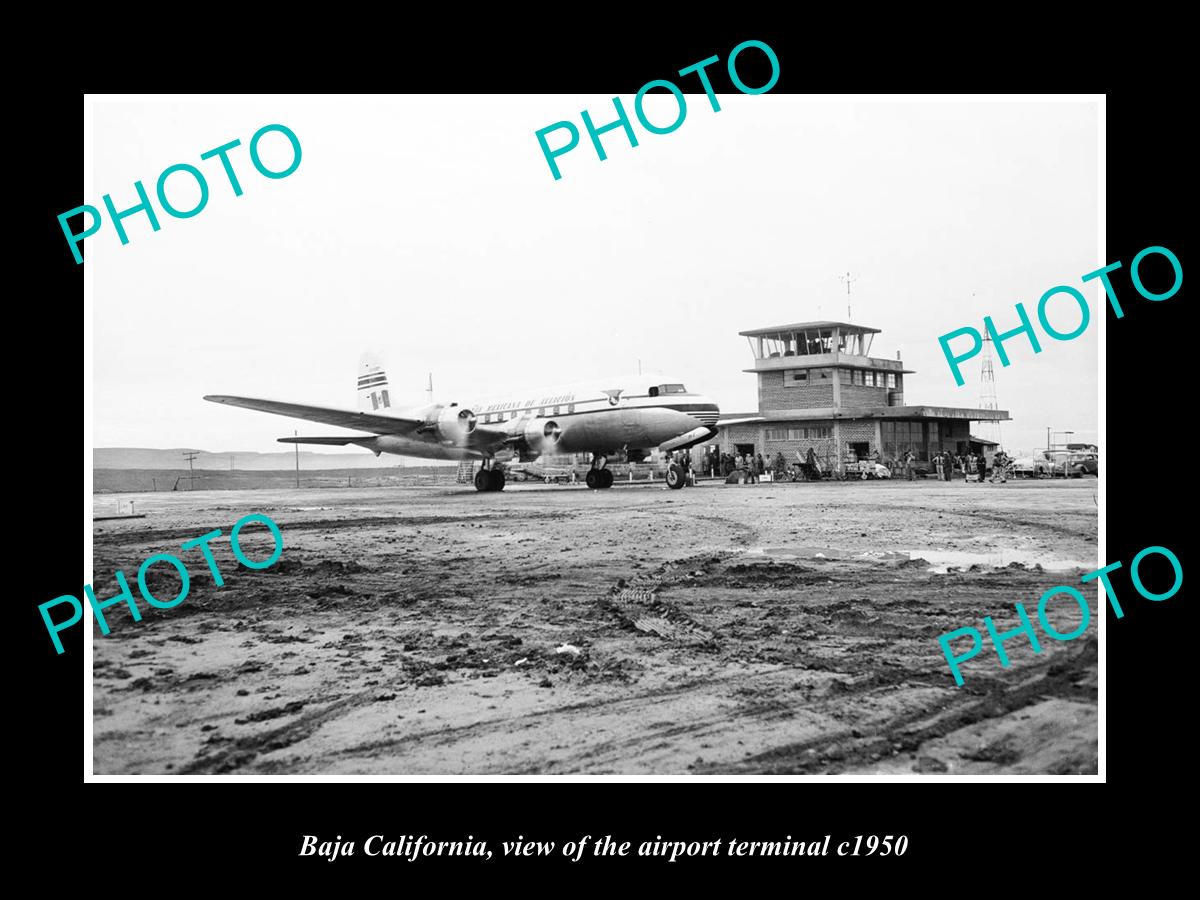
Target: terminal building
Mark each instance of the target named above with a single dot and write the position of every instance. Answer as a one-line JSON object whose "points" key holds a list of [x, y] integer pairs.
{"points": [[819, 387]]}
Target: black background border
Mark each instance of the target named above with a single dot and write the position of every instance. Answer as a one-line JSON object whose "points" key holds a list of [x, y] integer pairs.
{"points": [[979, 824]]}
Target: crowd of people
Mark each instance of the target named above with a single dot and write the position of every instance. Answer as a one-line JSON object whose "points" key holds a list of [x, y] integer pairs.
{"points": [[970, 464], [750, 467]]}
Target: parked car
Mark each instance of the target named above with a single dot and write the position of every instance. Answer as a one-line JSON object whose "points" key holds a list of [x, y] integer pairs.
{"points": [[1080, 464], [1042, 464], [1023, 467]]}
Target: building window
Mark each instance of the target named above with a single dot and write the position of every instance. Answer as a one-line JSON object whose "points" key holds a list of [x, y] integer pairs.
{"points": [[844, 376], [797, 375], [891, 379], [799, 434], [858, 376]]}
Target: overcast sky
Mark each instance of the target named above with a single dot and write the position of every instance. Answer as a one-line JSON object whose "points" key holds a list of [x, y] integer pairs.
{"points": [[430, 230]]}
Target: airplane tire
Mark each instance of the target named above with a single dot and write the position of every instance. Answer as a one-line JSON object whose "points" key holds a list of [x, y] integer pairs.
{"points": [[675, 476], [606, 478], [496, 480], [483, 481], [593, 478]]}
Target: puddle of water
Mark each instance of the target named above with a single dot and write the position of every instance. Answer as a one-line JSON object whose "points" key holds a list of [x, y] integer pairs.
{"points": [[941, 561], [825, 553], [945, 560]]}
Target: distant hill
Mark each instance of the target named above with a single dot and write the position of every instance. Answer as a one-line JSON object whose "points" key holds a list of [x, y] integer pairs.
{"points": [[172, 460]]}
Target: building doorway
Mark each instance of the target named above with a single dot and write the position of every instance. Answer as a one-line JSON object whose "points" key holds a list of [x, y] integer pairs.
{"points": [[743, 449], [861, 449]]}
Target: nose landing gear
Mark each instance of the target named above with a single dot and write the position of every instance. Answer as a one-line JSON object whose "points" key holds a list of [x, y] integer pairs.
{"points": [[599, 476], [676, 477]]}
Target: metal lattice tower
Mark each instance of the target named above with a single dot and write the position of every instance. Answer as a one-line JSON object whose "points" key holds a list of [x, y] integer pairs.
{"points": [[987, 390]]}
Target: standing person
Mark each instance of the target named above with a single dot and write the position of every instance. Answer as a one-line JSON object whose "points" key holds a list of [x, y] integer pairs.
{"points": [[999, 464], [937, 464], [908, 464], [762, 466], [780, 466]]}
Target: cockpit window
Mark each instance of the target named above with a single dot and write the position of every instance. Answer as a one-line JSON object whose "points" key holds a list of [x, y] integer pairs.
{"points": [[669, 389], [653, 392]]}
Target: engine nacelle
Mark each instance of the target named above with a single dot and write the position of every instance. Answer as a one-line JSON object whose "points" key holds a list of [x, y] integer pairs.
{"points": [[452, 424], [542, 435]]}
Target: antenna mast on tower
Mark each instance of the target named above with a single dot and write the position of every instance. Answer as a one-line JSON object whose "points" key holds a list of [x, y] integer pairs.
{"points": [[846, 279], [429, 389]]}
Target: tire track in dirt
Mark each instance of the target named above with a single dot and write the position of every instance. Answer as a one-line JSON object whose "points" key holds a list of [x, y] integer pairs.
{"points": [[448, 735], [123, 537], [868, 742], [1010, 521]]}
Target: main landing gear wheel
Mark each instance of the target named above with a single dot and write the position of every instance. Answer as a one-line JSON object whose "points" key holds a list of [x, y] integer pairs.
{"points": [[606, 478], [675, 476], [489, 480]]}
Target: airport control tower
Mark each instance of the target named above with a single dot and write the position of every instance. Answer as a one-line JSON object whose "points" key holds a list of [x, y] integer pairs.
{"points": [[819, 387]]}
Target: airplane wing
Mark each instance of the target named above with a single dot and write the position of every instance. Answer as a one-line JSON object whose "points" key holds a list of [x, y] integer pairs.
{"points": [[328, 441], [347, 418]]}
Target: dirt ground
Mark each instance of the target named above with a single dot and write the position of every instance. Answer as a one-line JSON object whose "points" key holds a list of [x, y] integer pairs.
{"points": [[721, 629]]}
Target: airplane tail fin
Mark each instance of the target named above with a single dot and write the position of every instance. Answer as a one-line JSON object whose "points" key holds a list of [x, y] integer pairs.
{"points": [[372, 384]]}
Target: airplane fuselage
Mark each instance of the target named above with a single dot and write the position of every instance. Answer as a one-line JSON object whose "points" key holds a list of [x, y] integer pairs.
{"points": [[631, 412]]}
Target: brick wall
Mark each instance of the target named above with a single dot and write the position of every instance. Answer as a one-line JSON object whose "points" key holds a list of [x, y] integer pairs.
{"points": [[773, 393], [858, 396], [823, 447]]}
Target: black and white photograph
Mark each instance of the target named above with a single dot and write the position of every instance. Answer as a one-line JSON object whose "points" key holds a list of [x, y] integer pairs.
{"points": [[526, 435]]}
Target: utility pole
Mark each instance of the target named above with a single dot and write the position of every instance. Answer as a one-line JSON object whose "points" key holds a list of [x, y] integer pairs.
{"points": [[639, 367], [190, 456], [297, 434], [429, 390], [846, 279]]}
